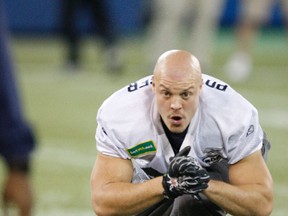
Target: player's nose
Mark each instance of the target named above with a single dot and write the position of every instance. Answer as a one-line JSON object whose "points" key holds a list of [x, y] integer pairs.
{"points": [[176, 103]]}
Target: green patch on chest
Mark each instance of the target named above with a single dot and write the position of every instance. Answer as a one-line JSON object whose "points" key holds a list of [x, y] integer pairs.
{"points": [[142, 149]]}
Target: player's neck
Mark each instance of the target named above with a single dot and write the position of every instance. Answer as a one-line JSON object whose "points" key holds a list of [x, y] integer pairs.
{"points": [[175, 139]]}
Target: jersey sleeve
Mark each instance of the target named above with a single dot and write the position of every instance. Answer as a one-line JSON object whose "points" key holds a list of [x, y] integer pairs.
{"points": [[108, 144], [106, 140], [246, 140], [118, 118]]}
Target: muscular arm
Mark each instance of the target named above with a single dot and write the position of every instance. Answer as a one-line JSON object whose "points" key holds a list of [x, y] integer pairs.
{"points": [[112, 190], [250, 190]]}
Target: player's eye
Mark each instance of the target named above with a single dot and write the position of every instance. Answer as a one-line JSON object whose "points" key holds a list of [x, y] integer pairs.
{"points": [[186, 95], [166, 93]]}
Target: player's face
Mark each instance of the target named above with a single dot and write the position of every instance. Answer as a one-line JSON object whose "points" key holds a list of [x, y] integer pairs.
{"points": [[177, 100]]}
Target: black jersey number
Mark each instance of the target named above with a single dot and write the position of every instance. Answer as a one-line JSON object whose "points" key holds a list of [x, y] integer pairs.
{"points": [[214, 84], [137, 85]]}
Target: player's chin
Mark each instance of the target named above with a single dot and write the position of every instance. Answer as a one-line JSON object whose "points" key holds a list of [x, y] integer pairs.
{"points": [[177, 128]]}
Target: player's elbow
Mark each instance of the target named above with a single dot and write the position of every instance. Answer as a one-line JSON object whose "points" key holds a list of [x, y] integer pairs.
{"points": [[100, 207], [97, 207], [103, 211], [97, 210], [97, 203], [265, 208], [269, 201], [268, 211]]}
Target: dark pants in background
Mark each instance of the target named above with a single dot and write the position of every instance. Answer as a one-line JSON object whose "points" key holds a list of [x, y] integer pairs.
{"points": [[16, 137], [101, 19]]}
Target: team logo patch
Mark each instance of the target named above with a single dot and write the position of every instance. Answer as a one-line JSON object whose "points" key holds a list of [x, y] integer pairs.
{"points": [[250, 130], [212, 155], [142, 148]]}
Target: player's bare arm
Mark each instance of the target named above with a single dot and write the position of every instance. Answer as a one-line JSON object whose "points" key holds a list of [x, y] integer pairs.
{"points": [[250, 190], [112, 190]]}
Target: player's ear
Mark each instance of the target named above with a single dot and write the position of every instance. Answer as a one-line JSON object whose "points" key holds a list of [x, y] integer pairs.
{"points": [[153, 83], [201, 84]]}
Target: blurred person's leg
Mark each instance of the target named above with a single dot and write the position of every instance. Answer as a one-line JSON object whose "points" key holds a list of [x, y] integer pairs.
{"points": [[284, 8], [16, 137], [106, 31], [206, 16], [70, 33], [253, 14], [165, 29]]}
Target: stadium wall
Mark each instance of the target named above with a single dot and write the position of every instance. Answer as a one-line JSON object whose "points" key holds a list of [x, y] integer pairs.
{"points": [[44, 16]]}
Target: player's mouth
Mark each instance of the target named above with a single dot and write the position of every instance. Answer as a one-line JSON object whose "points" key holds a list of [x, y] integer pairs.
{"points": [[176, 119]]}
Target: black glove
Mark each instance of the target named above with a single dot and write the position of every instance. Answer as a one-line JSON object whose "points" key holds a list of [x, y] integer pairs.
{"points": [[185, 176], [219, 170], [184, 152]]}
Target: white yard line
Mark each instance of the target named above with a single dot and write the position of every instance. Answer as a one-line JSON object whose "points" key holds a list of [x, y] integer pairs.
{"points": [[65, 156], [64, 212]]}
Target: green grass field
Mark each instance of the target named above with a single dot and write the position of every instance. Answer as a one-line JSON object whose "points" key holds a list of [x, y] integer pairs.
{"points": [[62, 108]]}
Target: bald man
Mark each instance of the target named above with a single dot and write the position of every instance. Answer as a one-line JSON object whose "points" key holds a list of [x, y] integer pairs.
{"points": [[180, 143]]}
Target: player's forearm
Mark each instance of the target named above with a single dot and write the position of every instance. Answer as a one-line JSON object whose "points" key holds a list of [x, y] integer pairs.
{"points": [[241, 200], [126, 198]]}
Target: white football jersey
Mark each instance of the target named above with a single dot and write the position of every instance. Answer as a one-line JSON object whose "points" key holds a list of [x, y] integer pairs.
{"points": [[129, 127]]}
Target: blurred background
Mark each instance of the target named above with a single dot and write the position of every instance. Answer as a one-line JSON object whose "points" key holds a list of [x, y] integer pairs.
{"points": [[68, 59]]}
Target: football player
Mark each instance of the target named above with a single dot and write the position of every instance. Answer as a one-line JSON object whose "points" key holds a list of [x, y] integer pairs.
{"points": [[180, 142]]}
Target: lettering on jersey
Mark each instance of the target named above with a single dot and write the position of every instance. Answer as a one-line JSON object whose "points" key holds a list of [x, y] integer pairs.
{"points": [[212, 155], [142, 148], [215, 85], [250, 130], [140, 84]]}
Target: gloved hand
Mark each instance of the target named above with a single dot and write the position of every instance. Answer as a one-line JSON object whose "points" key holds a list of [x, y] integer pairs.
{"points": [[185, 176]]}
